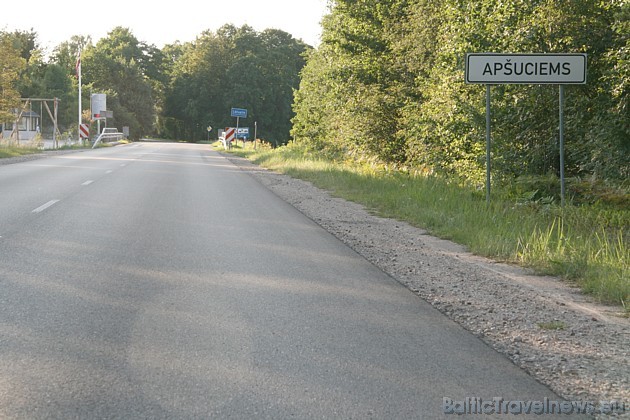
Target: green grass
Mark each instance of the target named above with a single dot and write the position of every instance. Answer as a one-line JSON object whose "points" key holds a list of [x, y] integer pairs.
{"points": [[11, 151], [552, 326], [585, 244]]}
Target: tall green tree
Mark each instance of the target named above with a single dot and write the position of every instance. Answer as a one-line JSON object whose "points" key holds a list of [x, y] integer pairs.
{"points": [[31, 75], [125, 69], [352, 79], [387, 85], [11, 64], [234, 67]]}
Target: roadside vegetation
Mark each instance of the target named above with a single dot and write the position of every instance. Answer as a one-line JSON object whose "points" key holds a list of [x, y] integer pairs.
{"points": [[175, 92], [12, 151], [585, 244]]}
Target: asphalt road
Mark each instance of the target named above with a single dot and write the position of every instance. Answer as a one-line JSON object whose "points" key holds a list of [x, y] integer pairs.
{"points": [[160, 281]]}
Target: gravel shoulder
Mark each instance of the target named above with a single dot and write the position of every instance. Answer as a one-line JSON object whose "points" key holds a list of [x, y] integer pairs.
{"points": [[566, 340]]}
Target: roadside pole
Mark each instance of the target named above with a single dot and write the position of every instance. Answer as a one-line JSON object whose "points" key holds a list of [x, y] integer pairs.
{"points": [[238, 113], [78, 69], [488, 140], [561, 129]]}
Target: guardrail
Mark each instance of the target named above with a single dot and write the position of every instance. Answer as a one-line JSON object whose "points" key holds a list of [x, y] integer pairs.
{"points": [[108, 133]]}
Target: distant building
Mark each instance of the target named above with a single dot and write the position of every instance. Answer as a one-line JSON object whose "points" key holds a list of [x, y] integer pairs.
{"points": [[28, 126]]}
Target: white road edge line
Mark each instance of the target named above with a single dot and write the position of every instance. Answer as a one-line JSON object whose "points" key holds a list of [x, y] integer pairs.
{"points": [[45, 206], [87, 182]]}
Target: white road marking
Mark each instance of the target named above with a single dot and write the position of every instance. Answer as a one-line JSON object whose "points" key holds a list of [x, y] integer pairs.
{"points": [[87, 182], [45, 206], [109, 172]]}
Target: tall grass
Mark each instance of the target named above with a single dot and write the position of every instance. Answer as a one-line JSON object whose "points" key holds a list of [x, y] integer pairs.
{"points": [[584, 244]]}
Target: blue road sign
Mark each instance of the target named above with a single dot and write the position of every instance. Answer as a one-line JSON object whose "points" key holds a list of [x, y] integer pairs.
{"points": [[239, 112], [242, 133]]}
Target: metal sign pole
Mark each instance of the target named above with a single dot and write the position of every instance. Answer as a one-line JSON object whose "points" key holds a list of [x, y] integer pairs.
{"points": [[236, 133], [562, 187], [488, 139], [80, 105], [55, 128]]}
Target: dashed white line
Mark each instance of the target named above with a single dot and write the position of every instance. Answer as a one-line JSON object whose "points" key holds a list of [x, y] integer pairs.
{"points": [[45, 206], [109, 172], [87, 182]]}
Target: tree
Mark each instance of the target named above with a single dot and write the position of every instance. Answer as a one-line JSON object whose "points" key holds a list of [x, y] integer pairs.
{"points": [[234, 67], [11, 64], [352, 84], [387, 85], [25, 42], [120, 64]]}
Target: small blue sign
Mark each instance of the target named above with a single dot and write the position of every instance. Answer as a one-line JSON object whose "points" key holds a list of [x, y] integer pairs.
{"points": [[239, 112]]}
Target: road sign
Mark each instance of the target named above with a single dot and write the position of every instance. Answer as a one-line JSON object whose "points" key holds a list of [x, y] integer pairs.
{"points": [[229, 134], [84, 131], [239, 112], [98, 104], [242, 133], [558, 69]]}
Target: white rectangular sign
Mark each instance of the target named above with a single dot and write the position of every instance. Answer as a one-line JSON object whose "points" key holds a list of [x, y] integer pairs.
{"points": [[558, 69], [98, 104]]}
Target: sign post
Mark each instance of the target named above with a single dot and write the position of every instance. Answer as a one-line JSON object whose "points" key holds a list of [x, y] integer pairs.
{"points": [[229, 135], [98, 106], [493, 69], [255, 133], [488, 143], [238, 113], [561, 123]]}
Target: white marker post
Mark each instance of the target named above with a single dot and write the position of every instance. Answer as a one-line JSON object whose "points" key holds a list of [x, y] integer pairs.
{"points": [[493, 69]]}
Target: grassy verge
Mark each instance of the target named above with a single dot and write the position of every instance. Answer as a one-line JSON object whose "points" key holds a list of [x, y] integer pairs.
{"points": [[10, 151], [584, 244]]}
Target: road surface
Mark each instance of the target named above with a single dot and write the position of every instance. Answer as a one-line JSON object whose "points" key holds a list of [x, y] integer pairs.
{"points": [[160, 281]]}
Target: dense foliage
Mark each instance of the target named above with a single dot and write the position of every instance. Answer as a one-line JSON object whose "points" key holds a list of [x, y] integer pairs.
{"points": [[234, 67], [174, 92], [11, 65], [387, 85]]}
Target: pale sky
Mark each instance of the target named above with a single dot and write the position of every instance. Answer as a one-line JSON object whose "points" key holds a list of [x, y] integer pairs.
{"points": [[156, 22]]}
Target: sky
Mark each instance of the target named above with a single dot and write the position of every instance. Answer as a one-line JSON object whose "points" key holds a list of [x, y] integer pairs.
{"points": [[159, 23]]}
